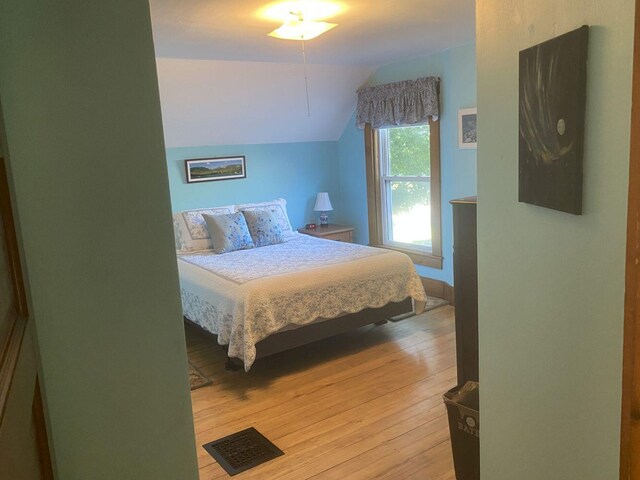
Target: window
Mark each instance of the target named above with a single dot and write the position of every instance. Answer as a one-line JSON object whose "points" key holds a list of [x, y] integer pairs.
{"points": [[403, 179]]}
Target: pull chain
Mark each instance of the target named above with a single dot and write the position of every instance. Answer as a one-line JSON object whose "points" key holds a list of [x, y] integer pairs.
{"points": [[306, 82]]}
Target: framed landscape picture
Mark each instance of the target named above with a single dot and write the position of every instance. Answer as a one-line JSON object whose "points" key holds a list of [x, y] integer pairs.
{"points": [[210, 169], [467, 136]]}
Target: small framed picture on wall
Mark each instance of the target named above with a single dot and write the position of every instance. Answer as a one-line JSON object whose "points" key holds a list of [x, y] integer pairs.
{"points": [[210, 169], [467, 136]]}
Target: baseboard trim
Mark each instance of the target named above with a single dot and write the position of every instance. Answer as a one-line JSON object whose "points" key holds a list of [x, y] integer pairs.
{"points": [[438, 288]]}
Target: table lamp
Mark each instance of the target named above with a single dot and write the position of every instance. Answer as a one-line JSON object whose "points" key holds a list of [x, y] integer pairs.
{"points": [[323, 205]]}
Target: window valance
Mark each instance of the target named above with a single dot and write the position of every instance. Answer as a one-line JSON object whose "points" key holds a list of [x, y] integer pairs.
{"points": [[408, 102]]}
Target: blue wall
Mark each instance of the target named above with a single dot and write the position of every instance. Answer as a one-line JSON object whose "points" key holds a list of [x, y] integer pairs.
{"points": [[353, 181], [457, 69], [294, 171], [552, 285]]}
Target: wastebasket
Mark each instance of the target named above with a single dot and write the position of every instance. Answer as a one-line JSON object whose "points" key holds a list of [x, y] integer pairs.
{"points": [[464, 427]]}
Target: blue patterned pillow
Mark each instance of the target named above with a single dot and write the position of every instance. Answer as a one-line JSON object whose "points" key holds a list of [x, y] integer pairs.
{"points": [[263, 227], [229, 232]]}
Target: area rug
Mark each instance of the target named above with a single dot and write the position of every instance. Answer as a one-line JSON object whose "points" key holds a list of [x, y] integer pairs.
{"points": [[431, 304], [197, 379], [434, 302]]}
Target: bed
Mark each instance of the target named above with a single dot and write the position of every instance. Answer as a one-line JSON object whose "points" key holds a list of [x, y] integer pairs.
{"points": [[260, 301]]}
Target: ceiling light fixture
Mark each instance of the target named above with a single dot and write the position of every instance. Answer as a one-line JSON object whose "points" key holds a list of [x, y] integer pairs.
{"points": [[311, 10], [300, 29]]}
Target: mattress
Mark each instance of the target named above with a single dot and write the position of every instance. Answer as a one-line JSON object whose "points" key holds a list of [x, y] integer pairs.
{"points": [[247, 295]]}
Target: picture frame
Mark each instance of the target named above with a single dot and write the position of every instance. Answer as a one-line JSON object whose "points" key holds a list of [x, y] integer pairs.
{"points": [[216, 168], [467, 133], [552, 107]]}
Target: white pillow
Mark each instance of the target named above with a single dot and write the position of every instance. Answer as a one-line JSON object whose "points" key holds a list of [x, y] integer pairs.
{"points": [[191, 230], [279, 206]]}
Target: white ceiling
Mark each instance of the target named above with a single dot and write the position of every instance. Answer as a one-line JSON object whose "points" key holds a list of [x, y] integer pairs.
{"points": [[223, 81], [369, 32], [216, 102]]}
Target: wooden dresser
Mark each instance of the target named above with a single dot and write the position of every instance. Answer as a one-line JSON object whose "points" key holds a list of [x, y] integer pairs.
{"points": [[465, 285], [341, 233]]}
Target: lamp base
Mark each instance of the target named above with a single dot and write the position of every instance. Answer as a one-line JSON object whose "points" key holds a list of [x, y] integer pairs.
{"points": [[324, 219]]}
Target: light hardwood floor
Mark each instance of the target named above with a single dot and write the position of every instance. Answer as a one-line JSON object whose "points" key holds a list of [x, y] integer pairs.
{"points": [[362, 405]]}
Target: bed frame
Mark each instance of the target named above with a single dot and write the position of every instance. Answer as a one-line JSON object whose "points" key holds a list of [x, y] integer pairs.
{"points": [[297, 337], [288, 339]]}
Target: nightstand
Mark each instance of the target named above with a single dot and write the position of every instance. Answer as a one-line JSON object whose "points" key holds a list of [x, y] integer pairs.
{"points": [[341, 233]]}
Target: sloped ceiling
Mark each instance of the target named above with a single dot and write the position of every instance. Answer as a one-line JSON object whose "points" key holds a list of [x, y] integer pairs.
{"points": [[210, 102], [224, 81]]}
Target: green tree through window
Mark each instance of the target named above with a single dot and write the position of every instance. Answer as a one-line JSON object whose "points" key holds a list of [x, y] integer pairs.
{"points": [[409, 152]]}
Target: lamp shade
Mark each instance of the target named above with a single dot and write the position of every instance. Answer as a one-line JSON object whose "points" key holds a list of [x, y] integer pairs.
{"points": [[323, 204]]}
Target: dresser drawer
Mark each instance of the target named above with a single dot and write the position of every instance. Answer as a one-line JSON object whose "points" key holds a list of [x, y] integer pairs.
{"points": [[340, 233], [340, 237]]}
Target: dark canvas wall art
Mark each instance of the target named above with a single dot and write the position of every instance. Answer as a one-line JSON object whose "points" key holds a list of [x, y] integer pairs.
{"points": [[553, 79]]}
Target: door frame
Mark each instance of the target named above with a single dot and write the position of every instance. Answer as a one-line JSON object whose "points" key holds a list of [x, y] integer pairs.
{"points": [[630, 422], [13, 328]]}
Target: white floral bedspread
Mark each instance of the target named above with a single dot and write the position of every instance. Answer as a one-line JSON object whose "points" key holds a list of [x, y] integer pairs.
{"points": [[247, 295]]}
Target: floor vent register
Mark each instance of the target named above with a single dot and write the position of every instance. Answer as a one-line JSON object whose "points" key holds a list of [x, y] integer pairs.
{"points": [[242, 450]]}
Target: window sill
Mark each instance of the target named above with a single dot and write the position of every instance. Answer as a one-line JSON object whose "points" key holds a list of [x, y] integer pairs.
{"points": [[420, 258]]}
